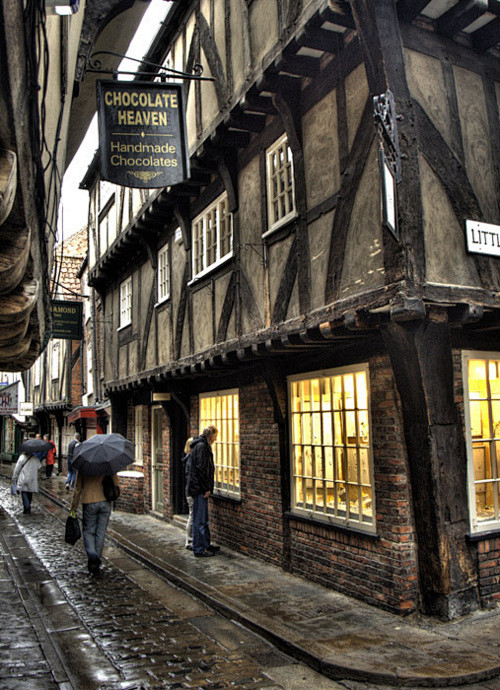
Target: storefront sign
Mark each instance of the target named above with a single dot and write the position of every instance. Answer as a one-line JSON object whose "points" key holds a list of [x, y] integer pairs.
{"points": [[67, 320], [26, 408], [9, 399], [142, 133], [482, 238]]}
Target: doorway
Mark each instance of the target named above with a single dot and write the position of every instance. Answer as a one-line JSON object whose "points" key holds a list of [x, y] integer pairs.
{"points": [[157, 460]]}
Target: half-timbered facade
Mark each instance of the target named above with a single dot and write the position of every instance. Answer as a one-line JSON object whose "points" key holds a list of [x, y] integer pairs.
{"points": [[314, 290]]}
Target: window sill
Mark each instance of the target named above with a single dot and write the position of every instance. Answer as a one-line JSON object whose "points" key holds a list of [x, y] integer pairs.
{"points": [[122, 328], [493, 533], [210, 269], [280, 224], [338, 527], [163, 301], [227, 497]]}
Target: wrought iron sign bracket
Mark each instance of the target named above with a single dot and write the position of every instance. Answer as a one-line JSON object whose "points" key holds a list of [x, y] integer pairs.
{"points": [[94, 66], [384, 114]]}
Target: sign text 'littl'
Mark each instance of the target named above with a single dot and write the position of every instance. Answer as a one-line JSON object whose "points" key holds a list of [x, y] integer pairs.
{"points": [[142, 133]]}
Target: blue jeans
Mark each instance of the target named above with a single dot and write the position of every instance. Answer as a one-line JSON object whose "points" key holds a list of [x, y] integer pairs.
{"points": [[94, 524], [27, 497], [201, 532], [71, 478]]}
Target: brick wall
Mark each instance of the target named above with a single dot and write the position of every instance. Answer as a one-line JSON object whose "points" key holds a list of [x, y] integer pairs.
{"points": [[131, 493]]}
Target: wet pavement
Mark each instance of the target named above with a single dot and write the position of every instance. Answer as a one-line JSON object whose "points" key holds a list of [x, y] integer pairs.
{"points": [[357, 645]]}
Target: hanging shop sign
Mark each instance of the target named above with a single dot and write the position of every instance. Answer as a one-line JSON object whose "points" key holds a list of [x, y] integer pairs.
{"points": [[26, 408], [482, 238], [67, 320], [9, 399], [142, 133]]}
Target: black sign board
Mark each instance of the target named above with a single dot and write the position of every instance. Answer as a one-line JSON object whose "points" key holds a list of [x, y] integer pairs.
{"points": [[67, 320], [142, 133]]}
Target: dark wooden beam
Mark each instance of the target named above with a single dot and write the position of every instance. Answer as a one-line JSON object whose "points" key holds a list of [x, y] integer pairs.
{"points": [[230, 138], [487, 37], [297, 65], [408, 10], [252, 102], [317, 39], [247, 122], [275, 83], [340, 15], [460, 16]]}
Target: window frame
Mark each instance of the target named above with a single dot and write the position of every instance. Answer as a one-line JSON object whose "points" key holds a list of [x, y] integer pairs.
{"points": [[138, 435], [235, 492], [487, 525], [273, 226], [90, 373], [163, 252], [128, 297], [54, 360], [346, 522], [195, 238]]}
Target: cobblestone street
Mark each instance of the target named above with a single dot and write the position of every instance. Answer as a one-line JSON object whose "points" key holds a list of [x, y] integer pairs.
{"points": [[126, 629]]}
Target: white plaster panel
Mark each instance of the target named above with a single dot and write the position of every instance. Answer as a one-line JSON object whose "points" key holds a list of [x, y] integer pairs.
{"points": [[321, 151], [320, 233], [278, 255], [202, 318], [263, 13], [445, 254], [356, 87], [363, 267], [477, 141], [164, 334], [209, 105]]}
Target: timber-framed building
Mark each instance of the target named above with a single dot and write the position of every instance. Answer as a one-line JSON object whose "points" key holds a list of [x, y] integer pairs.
{"points": [[314, 290]]}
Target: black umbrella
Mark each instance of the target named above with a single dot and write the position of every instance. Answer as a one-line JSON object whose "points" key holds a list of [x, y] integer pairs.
{"points": [[35, 445], [103, 454]]}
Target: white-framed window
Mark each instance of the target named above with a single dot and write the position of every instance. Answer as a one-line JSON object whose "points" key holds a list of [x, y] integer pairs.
{"points": [[54, 363], [138, 435], [36, 373], [126, 302], [90, 377], [481, 374], [280, 184], [107, 228], [221, 409], [332, 466], [163, 274], [212, 236]]}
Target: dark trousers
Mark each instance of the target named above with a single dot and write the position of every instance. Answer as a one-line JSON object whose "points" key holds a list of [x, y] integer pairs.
{"points": [[201, 531], [27, 497], [48, 470]]}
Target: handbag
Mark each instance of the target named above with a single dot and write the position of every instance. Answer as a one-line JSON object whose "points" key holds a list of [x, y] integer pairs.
{"points": [[13, 489], [72, 532], [110, 489]]}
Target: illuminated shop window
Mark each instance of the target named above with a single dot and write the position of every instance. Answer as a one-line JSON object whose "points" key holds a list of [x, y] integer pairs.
{"points": [[332, 476], [212, 236], [138, 435], [482, 415], [280, 184], [221, 409]]}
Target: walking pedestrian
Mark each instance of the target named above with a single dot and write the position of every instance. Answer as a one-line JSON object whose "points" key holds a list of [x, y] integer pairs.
{"points": [[50, 458], [96, 511], [71, 476], [200, 486], [25, 476], [185, 461]]}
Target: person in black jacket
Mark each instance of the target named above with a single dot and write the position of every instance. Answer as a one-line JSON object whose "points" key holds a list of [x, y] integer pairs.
{"points": [[200, 484], [71, 477]]}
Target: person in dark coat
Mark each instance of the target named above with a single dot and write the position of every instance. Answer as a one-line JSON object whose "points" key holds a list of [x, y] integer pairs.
{"points": [[71, 476], [200, 484], [189, 499]]}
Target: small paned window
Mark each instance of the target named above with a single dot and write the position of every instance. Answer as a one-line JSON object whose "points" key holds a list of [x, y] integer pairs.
{"points": [[222, 410], [36, 373], [280, 184], [482, 418], [331, 448], [90, 377], [126, 302], [212, 237], [163, 274], [54, 370]]}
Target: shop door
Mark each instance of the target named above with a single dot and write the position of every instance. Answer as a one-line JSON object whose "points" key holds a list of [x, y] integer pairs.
{"points": [[157, 461]]}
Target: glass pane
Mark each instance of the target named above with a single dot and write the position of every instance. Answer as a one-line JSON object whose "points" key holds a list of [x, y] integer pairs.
{"points": [[320, 502], [484, 501], [341, 498], [339, 428], [326, 395], [330, 496], [349, 392], [482, 463], [363, 428], [339, 464], [298, 467], [352, 465], [353, 501], [477, 378], [364, 462], [367, 504], [316, 429], [495, 415], [299, 492], [327, 428], [307, 461], [362, 390], [307, 428], [480, 423], [494, 376], [329, 463], [318, 462]]}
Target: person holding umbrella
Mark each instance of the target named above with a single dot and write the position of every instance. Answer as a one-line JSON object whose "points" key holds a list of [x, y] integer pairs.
{"points": [[100, 456], [25, 475]]}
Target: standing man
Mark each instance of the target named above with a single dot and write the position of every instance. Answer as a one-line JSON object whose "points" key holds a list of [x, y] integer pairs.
{"points": [[200, 484], [71, 476], [51, 457]]}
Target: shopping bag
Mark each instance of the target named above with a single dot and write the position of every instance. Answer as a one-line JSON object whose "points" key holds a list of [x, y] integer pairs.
{"points": [[72, 532]]}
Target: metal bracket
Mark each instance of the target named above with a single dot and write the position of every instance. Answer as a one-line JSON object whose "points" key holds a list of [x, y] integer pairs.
{"points": [[384, 114], [94, 66]]}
